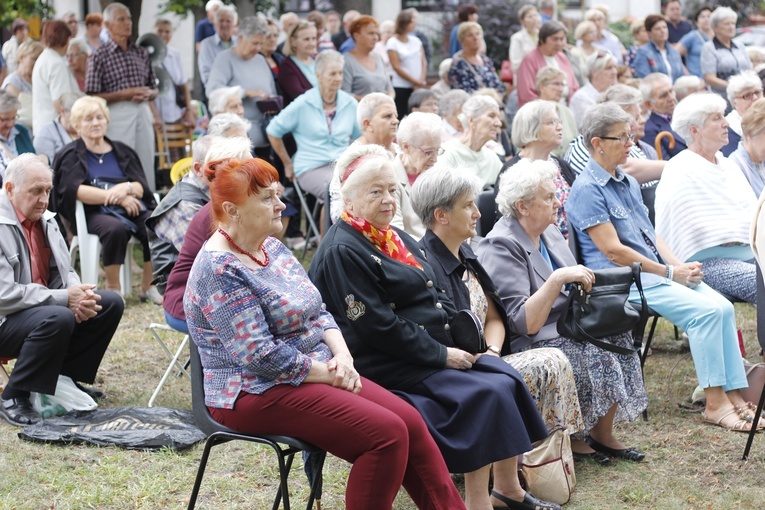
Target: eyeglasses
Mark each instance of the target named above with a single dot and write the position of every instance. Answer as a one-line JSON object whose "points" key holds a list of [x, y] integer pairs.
{"points": [[9, 119], [72, 56], [553, 122], [623, 139], [559, 84], [431, 153], [755, 94]]}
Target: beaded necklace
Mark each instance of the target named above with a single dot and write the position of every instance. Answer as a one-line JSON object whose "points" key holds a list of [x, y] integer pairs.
{"points": [[245, 252]]}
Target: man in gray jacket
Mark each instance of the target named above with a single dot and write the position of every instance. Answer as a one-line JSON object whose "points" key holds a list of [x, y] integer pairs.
{"points": [[50, 322]]}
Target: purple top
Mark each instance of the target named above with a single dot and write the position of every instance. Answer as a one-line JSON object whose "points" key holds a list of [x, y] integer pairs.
{"points": [[254, 328]]}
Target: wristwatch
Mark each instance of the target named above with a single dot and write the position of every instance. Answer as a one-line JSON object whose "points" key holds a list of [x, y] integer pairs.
{"points": [[496, 350]]}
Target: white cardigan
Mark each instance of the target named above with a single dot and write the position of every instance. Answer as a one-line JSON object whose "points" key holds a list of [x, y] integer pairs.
{"points": [[700, 205]]}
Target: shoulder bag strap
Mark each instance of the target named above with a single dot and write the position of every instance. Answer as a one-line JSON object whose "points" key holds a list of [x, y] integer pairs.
{"points": [[599, 343]]}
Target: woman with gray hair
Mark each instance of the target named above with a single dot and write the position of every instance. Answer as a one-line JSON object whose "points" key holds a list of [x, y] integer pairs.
{"points": [[51, 137], [419, 138], [444, 199], [14, 138], [323, 123], [613, 229], [602, 76], [377, 118], [722, 57], [442, 86], [537, 131], [450, 108], [704, 204], [687, 85], [226, 100], [550, 83], [243, 65], [481, 123], [380, 290], [531, 264], [743, 90], [19, 82]]}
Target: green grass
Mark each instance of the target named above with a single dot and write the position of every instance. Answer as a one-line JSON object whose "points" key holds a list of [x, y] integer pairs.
{"points": [[688, 465]]}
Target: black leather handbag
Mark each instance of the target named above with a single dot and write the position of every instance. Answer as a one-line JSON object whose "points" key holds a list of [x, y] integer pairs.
{"points": [[467, 332], [604, 311]]}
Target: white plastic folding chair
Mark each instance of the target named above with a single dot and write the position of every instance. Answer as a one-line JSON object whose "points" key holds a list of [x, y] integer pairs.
{"points": [[89, 248], [158, 330]]}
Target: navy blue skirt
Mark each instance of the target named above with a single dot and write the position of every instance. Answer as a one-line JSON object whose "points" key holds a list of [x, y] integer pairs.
{"points": [[478, 416]]}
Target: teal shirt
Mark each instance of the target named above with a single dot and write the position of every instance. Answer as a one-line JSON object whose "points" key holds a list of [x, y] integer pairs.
{"points": [[305, 119]]}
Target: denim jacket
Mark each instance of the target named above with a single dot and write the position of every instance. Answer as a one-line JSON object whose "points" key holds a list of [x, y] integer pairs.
{"points": [[649, 60]]}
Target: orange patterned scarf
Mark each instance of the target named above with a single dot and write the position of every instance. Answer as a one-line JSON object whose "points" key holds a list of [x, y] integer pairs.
{"points": [[386, 240]]}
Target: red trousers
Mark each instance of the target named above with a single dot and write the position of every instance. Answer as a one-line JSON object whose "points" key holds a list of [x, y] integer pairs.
{"points": [[380, 434]]}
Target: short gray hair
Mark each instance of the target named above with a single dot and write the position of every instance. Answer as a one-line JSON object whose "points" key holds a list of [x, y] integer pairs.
{"points": [[252, 26], [721, 14], [368, 106], [622, 95], [365, 169], [218, 98], [67, 100], [684, 84], [444, 67], [599, 120], [200, 146], [111, 10], [8, 102], [15, 173], [440, 188], [235, 147], [546, 75], [740, 82], [451, 102], [417, 127], [80, 45], [226, 9], [222, 122], [521, 182], [475, 107], [648, 83], [213, 4], [601, 62], [528, 121], [326, 57], [693, 111]]}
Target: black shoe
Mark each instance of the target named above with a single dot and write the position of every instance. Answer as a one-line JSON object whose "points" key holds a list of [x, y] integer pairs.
{"points": [[630, 454], [596, 457], [94, 393], [529, 503], [18, 411]]}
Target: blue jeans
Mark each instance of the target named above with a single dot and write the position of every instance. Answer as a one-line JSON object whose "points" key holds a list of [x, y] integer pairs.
{"points": [[176, 324], [710, 321]]}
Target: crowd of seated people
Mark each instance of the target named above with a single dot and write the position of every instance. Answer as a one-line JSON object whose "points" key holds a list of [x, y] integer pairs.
{"points": [[352, 111]]}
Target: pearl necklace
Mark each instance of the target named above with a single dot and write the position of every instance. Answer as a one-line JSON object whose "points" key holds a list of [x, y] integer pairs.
{"points": [[245, 252]]}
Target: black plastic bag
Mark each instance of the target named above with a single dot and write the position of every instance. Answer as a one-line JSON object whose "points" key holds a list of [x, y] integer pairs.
{"points": [[132, 428]]}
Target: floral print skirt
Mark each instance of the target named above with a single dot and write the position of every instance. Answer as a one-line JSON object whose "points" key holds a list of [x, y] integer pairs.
{"points": [[550, 379], [603, 378]]}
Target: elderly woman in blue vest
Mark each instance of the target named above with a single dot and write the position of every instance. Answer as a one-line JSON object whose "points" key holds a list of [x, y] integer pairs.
{"points": [[606, 210], [658, 56], [323, 122], [382, 293], [14, 138]]}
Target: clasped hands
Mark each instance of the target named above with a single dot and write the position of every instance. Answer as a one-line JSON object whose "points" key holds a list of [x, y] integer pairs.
{"points": [[344, 375], [83, 301], [688, 274], [120, 195]]}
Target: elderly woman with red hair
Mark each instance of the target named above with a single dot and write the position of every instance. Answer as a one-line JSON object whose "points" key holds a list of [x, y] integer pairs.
{"points": [[51, 76], [275, 361]]}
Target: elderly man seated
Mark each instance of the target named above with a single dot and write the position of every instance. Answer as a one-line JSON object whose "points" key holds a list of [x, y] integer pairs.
{"points": [[660, 98], [167, 226], [50, 322]]}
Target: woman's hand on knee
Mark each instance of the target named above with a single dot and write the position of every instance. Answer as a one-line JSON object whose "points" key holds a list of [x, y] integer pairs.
{"points": [[688, 274], [459, 359], [344, 375]]}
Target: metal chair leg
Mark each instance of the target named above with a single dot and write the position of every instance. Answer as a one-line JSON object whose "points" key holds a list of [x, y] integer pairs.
{"points": [[756, 421], [211, 441]]}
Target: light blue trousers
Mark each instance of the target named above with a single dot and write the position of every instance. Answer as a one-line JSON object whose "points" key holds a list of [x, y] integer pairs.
{"points": [[710, 321]]}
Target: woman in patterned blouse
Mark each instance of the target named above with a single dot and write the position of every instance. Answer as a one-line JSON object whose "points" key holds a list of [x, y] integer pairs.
{"points": [[470, 69], [276, 363]]}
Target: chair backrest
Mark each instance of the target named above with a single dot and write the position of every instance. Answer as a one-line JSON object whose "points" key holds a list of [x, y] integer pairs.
{"points": [[486, 206], [202, 417], [180, 168], [649, 199], [573, 243], [172, 136]]}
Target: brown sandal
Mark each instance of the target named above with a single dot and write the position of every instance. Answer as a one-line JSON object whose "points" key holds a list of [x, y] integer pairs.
{"points": [[747, 411]]}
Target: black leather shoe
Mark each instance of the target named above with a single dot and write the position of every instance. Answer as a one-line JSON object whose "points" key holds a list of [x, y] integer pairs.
{"points": [[630, 454], [93, 392], [18, 411], [529, 503], [596, 457]]}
